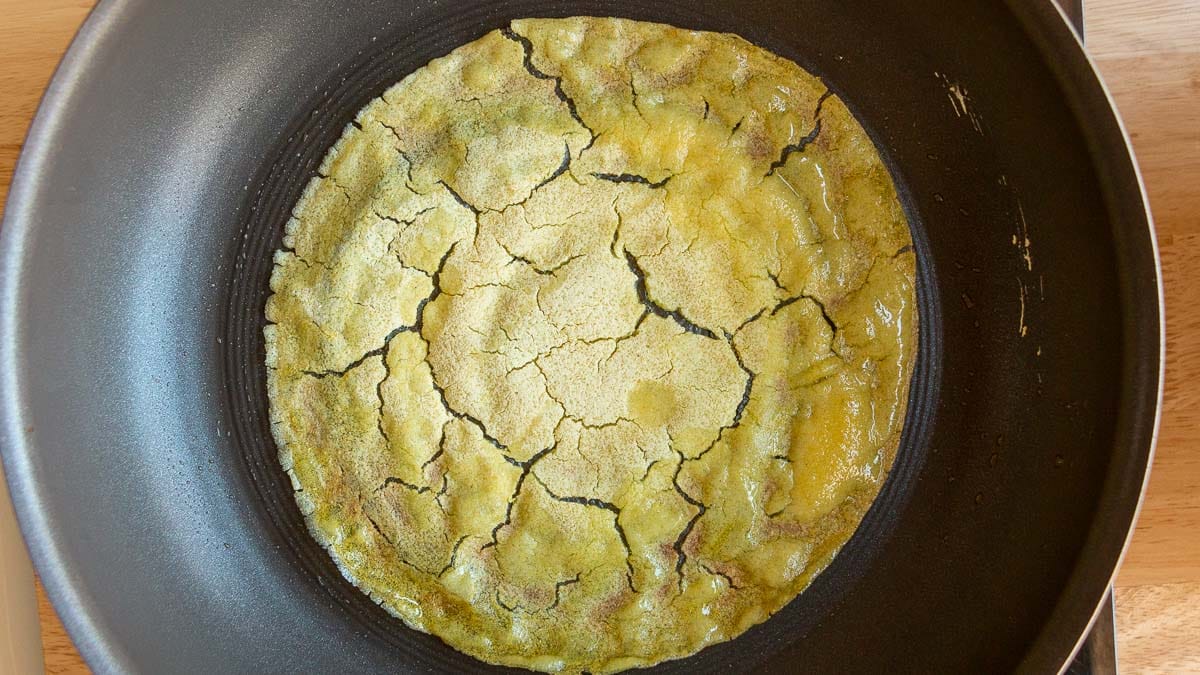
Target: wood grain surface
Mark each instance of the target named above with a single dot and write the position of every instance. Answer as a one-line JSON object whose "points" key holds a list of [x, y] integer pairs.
{"points": [[1149, 53]]}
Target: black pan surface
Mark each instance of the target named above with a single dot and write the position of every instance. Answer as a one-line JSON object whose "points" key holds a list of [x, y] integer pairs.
{"points": [[175, 138]]}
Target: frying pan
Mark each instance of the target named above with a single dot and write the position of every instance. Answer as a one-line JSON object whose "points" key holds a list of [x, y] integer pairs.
{"points": [[176, 136]]}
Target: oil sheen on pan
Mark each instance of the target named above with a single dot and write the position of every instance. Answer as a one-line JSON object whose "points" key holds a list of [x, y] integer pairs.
{"points": [[590, 344]]}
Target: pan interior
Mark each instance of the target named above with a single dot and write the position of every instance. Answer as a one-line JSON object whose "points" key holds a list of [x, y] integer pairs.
{"points": [[278, 188]]}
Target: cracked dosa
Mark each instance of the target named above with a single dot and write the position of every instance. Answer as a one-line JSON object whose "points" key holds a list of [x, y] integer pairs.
{"points": [[590, 343]]}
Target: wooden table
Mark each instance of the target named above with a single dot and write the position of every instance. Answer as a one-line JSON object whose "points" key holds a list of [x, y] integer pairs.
{"points": [[1149, 52]]}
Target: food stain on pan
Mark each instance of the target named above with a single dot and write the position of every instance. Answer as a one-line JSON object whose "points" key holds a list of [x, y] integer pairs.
{"points": [[1023, 244], [1021, 238], [1021, 241], [1022, 327], [960, 100]]}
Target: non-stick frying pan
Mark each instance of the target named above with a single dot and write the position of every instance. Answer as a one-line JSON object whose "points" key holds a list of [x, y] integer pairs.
{"points": [[176, 136]]}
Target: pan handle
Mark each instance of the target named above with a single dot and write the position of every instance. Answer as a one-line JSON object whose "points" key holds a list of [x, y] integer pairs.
{"points": [[1098, 655], [1074, 11]]}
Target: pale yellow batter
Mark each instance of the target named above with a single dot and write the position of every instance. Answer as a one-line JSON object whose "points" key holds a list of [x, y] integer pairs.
{"points": [[591, 344]]}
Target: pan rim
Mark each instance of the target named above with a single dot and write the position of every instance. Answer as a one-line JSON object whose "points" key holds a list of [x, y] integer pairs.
{"points": [[71, 600], [1075, 43]]}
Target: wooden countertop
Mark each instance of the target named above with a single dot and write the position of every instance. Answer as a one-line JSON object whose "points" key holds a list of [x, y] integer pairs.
{"points": [[1149, 53]]}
